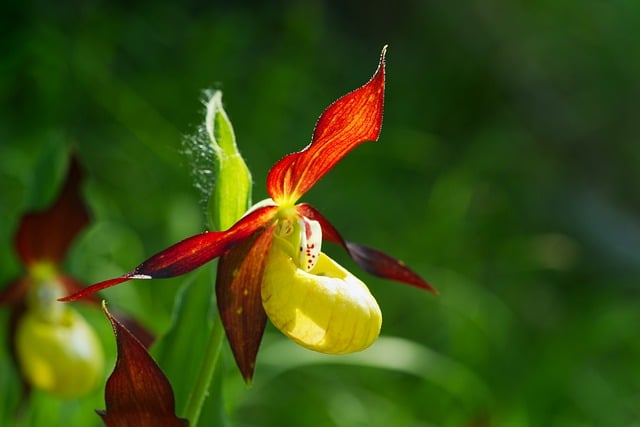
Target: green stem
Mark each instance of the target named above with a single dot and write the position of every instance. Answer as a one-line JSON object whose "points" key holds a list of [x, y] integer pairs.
{"points": [[201, 387]]}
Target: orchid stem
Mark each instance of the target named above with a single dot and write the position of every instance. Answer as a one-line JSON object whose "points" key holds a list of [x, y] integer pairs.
{"points": [[207, 369]]}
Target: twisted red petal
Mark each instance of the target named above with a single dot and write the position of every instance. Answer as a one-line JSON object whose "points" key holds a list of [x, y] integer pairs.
{"points": [[188, 254], [46, 235], [349, 121], [238, 287], [369, 259], [137, 392]]}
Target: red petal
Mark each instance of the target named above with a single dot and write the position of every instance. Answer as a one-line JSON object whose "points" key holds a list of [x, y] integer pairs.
{"points": [[369, 259], [71, 286], [349, 121], [137, 392], [239, 299], [380, 264], [47, 235], [188, 254]]}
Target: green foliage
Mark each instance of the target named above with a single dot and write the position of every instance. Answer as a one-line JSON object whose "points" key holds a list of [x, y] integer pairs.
{"points": [[506, 174]]}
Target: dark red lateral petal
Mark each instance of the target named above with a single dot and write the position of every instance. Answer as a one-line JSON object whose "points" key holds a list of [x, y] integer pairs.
{"points": [[46, 235], [369, 259], [71, 286], [238, 290], [349, 121], [382, 265], [188, 254], [137, 392]]}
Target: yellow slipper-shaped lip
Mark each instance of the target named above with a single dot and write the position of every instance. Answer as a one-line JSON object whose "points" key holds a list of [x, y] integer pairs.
{"points": [[326, 309]]}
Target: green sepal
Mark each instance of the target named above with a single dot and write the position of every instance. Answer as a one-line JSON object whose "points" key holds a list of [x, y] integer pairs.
{"points": [[231, 196]]}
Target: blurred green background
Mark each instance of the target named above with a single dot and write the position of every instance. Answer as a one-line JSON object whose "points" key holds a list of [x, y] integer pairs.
{"points": [[506, 174]]}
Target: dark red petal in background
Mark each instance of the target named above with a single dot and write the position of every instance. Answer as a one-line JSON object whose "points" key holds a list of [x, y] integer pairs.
{"points": [[46, 235], [14, 292], [188, 254], [369, 259], [239, 298], [137, 393], [349, 121]]}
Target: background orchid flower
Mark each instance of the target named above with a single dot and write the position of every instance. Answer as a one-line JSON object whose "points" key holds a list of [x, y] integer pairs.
{"points": [[271, 264], [55, 348]]}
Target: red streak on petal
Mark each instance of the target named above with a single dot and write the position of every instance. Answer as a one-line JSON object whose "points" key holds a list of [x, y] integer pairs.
{"points": [[349, 121], [188, 254]]}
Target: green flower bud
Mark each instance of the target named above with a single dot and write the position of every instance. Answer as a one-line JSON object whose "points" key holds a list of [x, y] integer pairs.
{"points": [[231, 196]]}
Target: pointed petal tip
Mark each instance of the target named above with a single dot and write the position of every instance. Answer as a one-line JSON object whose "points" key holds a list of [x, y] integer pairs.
{"points": [[427, 287], [95, 288], [248, 378]]}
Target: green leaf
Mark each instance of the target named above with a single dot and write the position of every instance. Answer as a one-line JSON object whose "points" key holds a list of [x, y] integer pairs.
{"points": [[181, 350], [391, 353], [48, 173], [176, 350], [231, 196]]}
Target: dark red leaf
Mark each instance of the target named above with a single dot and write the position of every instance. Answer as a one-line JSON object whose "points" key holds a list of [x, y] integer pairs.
{"points": [[137, 393], [188, 254], [349, 121], [238, 287], [369, 259], [46, 235]]}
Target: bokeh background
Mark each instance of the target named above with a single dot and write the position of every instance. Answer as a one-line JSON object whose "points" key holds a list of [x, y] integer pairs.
{"points": [[506, 174]]}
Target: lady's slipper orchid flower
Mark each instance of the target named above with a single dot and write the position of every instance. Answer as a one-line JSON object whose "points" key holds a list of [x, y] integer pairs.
{"points": [[271, 264], [54, 346]]}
